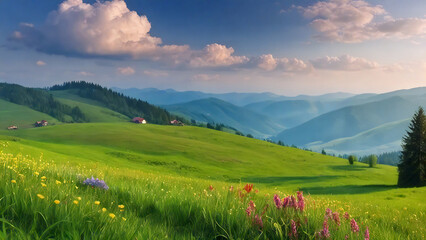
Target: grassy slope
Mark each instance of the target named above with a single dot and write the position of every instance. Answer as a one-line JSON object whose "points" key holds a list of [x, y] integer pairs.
{"points": [[93, 110], [23, 117]]}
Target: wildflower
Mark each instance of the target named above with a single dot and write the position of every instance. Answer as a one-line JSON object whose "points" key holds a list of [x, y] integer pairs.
{"points": [[285, 202], [211, 188], [124, 219], [277, 201], [36, 173], [346, 215], [97, 202], [367, 234], [300, 201], [328, 214], [57, 202], [58, 182], [75, 202], [76, 187], [336, 218], [43, 178], [251, 208], [248, 187], [121, 206], [354, 226], [293, 230], [79, 198], [325, 233], [258, 221], [96, 183], [111, 215], [13, 181], [104, 209], [231, 188], [43, 185], [40, 196]]}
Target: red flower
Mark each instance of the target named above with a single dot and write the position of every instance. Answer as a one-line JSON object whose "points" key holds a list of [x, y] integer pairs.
{"points": [[248, 187], [211, 188]]}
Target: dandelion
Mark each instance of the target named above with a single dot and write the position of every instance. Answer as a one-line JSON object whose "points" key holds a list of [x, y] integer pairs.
{"points": [[111, 215], [43, 178], [75, 202], [354, 226], [104, 209], [58, 182], [97, 202], [36, 173], [43, 185], [124, 219], [79, 198], [57, 202], [13, 181], [277, 201], [121, 206], [248, 187], [293, 230], [76, 187], [40, 196], [367, 234]]}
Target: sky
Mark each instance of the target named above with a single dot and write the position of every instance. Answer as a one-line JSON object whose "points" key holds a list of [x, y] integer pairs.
{"points": [[288, 47]]}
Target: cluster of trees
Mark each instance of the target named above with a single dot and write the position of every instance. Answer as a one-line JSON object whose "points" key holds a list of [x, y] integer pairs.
{"points": [[40, 100], [412, 168], [128, 106]]}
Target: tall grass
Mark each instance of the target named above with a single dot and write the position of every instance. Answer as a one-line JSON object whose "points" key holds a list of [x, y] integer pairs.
{"points": [[40, 199]]}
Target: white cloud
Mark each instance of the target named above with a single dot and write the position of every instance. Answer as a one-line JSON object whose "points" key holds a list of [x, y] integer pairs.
{"points": [[155, 73], [126, 70], [205, 77], [344, 63], [86, 74], [356, 21], [40, 63], [216, 55]]}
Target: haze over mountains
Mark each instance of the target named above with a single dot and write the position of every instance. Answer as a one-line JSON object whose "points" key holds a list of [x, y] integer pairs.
{"points": [[338, 122]]}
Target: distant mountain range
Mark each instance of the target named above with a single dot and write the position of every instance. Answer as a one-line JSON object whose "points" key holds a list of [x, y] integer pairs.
{"points": [[337, 122]]}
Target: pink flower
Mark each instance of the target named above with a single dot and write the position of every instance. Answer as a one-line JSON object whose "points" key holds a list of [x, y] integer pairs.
{"points": [[277, 201], [346, 215], [367, 234], [300, 201], [285, 202], [258, 221], [325, 233], [293, 230], [336, 218], [328, 214], [251, 208], [354, 226]]}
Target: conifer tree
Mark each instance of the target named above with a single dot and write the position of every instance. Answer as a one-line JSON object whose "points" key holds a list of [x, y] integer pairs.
{"points": [[413, 158]]}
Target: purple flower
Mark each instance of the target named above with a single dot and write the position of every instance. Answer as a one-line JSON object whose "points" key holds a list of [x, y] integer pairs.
{"points": [[258, 221], [293, 230], [325, 233], [277, 201], [328, 214], [336, 218], [285, 202], [354, 226], [300, 201], [96, 183], [367, 234]]}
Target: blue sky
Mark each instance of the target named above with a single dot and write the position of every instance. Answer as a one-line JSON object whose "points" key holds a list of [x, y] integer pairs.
{"points": [[288, 47]]}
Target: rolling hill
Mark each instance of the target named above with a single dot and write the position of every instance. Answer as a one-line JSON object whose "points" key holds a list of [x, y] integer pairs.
{"points": [[348, 121], [213, 110]]}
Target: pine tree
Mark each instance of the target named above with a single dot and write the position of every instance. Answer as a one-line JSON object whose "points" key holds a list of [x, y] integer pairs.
{"points": [[413, 158]]}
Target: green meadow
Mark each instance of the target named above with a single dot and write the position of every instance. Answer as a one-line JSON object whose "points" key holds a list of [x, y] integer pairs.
{"points": [[188, 183]]}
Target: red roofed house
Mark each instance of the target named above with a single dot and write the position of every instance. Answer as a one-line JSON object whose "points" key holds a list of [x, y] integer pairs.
{"points": [[41, 123], [176, 123], [139, 120]]}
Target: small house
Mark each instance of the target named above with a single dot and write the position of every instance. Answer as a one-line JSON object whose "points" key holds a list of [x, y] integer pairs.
{"points": [[13, 127], [41, 123], [176, 123], [139, 120]]}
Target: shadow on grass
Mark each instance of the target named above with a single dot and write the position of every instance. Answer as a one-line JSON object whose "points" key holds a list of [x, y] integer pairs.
{"points": [[284, 179], [348, 189], [349, 168]]}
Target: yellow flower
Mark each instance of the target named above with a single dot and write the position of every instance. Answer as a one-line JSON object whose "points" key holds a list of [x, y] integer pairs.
{"points": [[76, 187], [75, 202], [36, 173], [40, 196], [13, 181], [57, 202], [112, 215], [58, 182], [104, 209], [43, 185], [121, 206], [79, 198], [43, 178], [97, 202], [124, 219]]}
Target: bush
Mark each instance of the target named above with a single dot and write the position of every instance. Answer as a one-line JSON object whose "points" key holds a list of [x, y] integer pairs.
{"points": [[352, 159], [372, 160]]}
